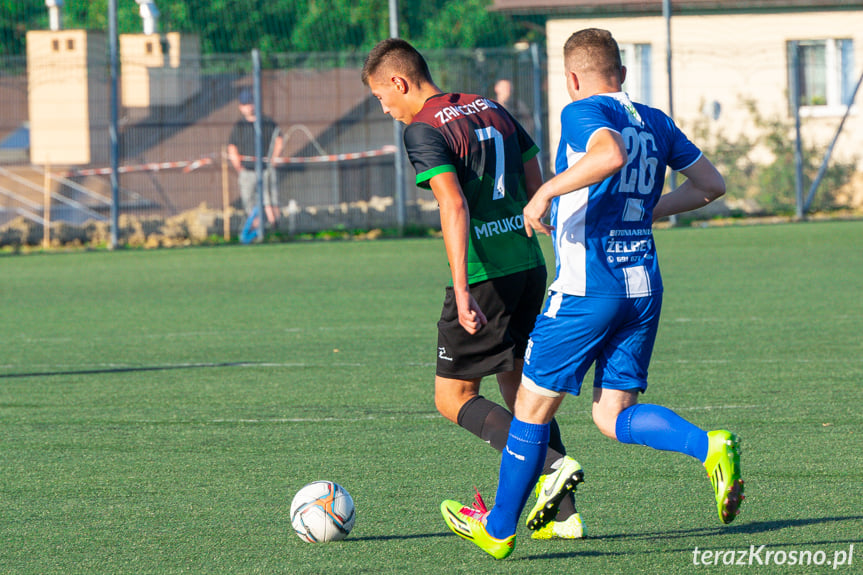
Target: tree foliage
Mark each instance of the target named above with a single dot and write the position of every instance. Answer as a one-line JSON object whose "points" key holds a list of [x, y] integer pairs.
{"points": [[467, 24], [232, 26], [16, 17]]}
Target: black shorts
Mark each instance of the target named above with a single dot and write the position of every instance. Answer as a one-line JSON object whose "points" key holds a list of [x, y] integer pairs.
{"points": [[511, 304]]}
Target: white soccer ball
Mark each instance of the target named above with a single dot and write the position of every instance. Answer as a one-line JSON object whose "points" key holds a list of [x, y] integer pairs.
{"points": [[322, 511]]}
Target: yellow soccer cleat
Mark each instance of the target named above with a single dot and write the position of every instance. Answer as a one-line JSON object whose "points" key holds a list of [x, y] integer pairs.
{"points": [[468, 523], [550, 491], [571, 528], [723, 467]]}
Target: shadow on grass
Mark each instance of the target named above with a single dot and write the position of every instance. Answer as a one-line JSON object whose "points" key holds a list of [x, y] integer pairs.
{"points": [[400, 537], [567, 555], [449, 534], [754, 527], [749, 528], [96, 371]]}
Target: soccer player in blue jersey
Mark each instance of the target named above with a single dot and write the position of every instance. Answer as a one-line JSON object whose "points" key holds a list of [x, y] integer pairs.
{"points": [[481, 166], [603, 306]]}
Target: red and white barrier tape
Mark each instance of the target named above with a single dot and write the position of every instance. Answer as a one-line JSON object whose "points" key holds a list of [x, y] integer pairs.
{"points": [[191, 165], [187, 166], [386, 150]]}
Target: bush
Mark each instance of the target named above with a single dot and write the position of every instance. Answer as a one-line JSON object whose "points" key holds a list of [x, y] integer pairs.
{"points": [[772, 185]]}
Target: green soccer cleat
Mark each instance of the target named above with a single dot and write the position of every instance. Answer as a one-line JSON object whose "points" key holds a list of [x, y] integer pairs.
{"points": [[723, 467], [550, 491], [571, 528], [468, 523]]}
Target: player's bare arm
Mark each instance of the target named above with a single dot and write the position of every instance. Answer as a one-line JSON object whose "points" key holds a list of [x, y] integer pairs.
{"points": [[455, 221], [703, 185], [606, 155]]}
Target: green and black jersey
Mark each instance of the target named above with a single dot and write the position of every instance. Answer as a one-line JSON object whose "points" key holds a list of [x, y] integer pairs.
{"points": [[486, 148]]}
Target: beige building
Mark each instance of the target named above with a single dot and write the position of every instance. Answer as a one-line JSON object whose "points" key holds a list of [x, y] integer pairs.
{"points": [[723, 54], [68, 97], [68, 87], [158, 70]]}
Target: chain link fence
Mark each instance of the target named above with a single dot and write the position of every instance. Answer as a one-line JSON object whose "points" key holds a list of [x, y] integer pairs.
{"points": [[177, 109]]}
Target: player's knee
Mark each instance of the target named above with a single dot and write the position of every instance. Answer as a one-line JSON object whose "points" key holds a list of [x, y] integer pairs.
{"points": [[605, 422], [606, 430], [450, 395], [447, 405]]}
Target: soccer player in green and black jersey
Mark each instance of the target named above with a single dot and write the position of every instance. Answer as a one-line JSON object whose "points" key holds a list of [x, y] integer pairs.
{"points": [[482, 168]]}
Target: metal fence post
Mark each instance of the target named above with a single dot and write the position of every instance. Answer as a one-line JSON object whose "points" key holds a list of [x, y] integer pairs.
{"points": [[666, 12], [538, 132], [259, 144], [399, 156], [798, 151], [112, 125]]}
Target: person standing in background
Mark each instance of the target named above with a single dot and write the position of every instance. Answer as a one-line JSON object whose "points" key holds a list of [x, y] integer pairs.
{"points": [[241, 154]]}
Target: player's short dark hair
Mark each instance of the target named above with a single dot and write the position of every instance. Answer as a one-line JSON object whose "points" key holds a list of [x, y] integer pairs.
{"points": [[399, 56], [593, 50]]}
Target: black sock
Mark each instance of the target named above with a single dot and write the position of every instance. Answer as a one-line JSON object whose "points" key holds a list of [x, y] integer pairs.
{"points": [[556, 450], [487, 420], [490, 422], [554, 440]]}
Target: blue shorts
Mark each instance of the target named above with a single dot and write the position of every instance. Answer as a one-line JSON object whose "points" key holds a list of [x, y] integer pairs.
{"points": [[573, 332]]}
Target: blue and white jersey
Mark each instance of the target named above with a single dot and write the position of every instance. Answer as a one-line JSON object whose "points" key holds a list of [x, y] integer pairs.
{"points": [[603, 238]]}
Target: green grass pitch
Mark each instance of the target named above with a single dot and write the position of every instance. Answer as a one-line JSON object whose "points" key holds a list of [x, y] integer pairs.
{"points": [[159, 409]]}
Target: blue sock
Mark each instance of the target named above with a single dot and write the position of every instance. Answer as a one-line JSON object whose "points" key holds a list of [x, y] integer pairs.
{"points": [[520, 466], [660, 428]]}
